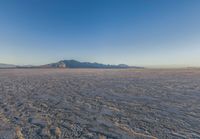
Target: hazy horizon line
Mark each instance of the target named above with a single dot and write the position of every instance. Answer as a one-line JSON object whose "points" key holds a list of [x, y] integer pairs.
{"points": [[137, 65]]}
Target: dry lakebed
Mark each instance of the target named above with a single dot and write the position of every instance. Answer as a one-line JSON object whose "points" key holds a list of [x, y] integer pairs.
{"points": [[99, 103]]}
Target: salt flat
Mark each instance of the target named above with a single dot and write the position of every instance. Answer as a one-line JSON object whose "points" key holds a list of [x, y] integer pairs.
{"points": [[99, 103]]}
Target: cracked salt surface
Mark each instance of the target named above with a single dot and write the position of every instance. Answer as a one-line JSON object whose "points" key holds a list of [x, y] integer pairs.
{"points": [[99, 104]]}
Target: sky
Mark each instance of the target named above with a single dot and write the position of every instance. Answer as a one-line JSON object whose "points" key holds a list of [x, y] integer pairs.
{"points": [[133, 32]]}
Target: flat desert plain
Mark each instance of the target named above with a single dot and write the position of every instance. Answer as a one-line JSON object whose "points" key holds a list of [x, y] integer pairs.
{"points": [[99, 104]]}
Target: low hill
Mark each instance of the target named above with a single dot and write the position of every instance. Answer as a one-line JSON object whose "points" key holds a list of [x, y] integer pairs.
{"points": [[7, 65]]}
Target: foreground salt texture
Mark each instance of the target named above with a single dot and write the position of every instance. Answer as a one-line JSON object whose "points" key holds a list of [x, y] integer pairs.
{"points": [[99, 104]]}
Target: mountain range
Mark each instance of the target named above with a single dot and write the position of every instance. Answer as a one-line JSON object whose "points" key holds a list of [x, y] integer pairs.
{"points": [[7, 65], [77, 64], [71, 64]]}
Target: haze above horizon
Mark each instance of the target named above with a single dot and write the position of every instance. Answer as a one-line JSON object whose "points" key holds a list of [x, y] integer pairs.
{"points": [[134, 32]]}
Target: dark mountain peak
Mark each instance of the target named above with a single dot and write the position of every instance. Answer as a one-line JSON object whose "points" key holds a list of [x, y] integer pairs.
{"points": [[77, 64]]}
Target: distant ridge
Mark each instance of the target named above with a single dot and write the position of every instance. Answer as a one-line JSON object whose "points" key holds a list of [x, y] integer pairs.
{"points": [[71, 64], [77, 64], [7, 65]]}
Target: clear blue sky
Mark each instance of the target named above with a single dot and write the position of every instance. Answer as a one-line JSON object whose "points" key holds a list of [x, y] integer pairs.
{"points": [[134, 32]]}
